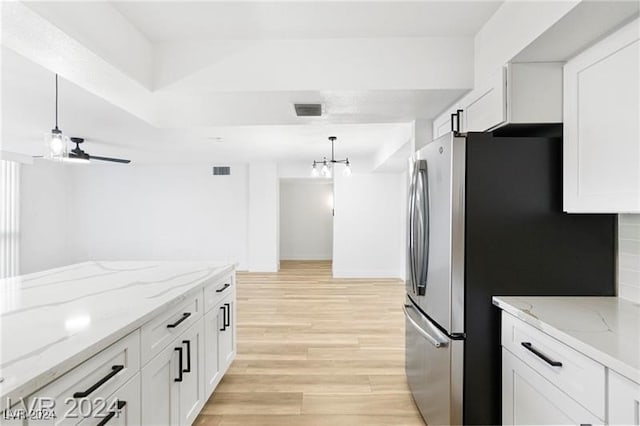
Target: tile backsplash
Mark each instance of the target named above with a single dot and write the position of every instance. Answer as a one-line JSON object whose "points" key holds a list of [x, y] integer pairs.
{"points": [[629, 256]]}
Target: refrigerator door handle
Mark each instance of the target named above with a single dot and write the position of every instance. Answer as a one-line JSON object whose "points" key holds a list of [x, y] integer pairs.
{"points": [[410, 242], [438, 343], [422, 185]]}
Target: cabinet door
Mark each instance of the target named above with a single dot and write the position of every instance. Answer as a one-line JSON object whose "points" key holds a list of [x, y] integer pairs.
{"points": [[602, 126], [160, 390], [227, 337], [624, 400], [213, 321], [528, 398], [486, 107], [191, 390]]}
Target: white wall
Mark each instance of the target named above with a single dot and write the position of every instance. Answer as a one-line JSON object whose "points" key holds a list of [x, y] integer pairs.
{"points": [[629, 257], [306, 220], [369, 225], [139, 212], [263, 246], [46, 192]]}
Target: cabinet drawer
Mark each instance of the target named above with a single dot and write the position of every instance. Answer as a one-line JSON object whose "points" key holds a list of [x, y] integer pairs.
{"points": [[164, 328], [121, 408], [214, 293], [579, 376], [530, 399], [84, 387]]}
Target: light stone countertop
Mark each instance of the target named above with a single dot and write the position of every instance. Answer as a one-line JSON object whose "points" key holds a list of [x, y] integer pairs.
{"points": [[606, 329], [53, 320]]}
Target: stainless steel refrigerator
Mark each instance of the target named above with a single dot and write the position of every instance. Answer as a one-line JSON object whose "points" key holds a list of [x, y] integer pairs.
{"points": [[485, 218]]}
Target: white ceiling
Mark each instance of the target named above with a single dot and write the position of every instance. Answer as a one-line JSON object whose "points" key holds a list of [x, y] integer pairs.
{"points": [[158, 81], [242, 20], [28, 113]]}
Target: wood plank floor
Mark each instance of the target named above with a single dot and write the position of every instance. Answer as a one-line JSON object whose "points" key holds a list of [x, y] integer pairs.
{"points": [[313, 350]]}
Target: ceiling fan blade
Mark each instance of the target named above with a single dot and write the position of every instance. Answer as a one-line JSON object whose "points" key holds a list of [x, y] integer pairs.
{"points": [[113, 160]]}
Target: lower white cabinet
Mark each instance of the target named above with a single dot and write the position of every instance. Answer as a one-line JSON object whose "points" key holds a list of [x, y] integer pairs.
{"points": [[623, 401], [220, 341], [529, 399], [547, 382], [173, 389], [159, 374], [227, 337]]}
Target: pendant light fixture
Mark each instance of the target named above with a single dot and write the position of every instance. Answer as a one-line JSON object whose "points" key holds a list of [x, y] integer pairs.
{"points": [[326, 166], [57, 144]]}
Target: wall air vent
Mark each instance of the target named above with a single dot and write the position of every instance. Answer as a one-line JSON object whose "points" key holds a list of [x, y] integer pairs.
{"points": [[221, 170], [308, 110]]}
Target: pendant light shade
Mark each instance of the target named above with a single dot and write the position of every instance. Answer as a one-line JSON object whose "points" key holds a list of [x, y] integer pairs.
{"points": [[347, 169]]}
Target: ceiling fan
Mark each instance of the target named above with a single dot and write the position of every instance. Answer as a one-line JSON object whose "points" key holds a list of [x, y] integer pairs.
{"points": [[78, 154], [58, 149]]}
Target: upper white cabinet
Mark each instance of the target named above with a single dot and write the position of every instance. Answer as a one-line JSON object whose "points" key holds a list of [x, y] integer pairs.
{"points": [[485, 107], [602, 126], [520, 93]]}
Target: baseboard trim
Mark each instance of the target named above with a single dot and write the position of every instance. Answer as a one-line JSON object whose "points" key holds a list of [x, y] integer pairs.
{"points": [[353, 273]]}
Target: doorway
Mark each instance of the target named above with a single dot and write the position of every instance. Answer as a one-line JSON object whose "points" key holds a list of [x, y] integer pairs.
{"points": [[306, 219]]}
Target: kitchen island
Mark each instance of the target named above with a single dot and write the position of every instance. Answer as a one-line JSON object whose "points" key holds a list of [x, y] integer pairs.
{"points": [[117, 324]]}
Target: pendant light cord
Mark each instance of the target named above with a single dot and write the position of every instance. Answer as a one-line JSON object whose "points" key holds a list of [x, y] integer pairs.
{"points": [[56, 101]]}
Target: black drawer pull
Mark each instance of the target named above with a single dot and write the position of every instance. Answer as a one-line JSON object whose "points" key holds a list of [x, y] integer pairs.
{"points": [[109, 416], [114, 370], [528, 346], [179, 379], [188, 369], [182, 318], [224, 318], [224, 287], [227, 316]]}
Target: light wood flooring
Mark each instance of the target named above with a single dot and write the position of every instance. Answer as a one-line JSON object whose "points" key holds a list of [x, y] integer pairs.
{"points": [[313, 350]]}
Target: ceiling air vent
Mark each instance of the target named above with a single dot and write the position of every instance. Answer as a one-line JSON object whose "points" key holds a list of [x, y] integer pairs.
{"points": [[308, 110], [221, 170]]}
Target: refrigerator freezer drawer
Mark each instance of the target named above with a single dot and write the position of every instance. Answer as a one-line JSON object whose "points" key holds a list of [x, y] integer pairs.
{"points": [[428, 364]]}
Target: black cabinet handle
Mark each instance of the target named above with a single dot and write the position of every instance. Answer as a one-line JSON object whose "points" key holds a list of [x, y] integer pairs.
{"points": [[224, 318], [453, 115], [109, 416], [227, 316], [528, 346], [458, 112], [224, 287], [188, 369], [114, 370], [179, 379], [182, 318]]}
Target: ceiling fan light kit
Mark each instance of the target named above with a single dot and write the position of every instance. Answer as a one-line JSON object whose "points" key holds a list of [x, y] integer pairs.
{"points": [[57, 146], [326, 166]]}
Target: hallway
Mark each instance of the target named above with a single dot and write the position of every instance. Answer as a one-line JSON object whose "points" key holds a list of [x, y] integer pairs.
{"points": [[313, 350]]}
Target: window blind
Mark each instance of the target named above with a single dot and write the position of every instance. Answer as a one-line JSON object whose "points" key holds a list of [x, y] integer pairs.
{"points": [[9, 218]]}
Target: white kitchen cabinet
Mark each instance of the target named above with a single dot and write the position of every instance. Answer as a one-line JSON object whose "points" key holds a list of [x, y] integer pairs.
{"points": [[227, 336], [192, 396], [79, 393], [602, 126], [520, 93], [442, 124], [213, 321], [529, 399], [173, 382], [623, 400], [122, 408]]}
